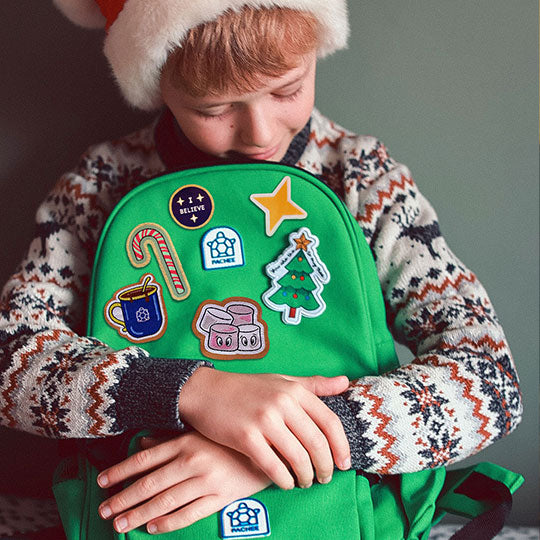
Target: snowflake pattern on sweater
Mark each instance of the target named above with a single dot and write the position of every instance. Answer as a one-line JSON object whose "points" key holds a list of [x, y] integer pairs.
{"points": [[459, 394]]}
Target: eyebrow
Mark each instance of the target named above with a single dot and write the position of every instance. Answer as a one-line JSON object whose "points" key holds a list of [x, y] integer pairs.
{"points": [[294, 81], [286, 85]]}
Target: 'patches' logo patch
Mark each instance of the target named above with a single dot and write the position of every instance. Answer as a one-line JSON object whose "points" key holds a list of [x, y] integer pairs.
{"points": [[222, 248], [245, 518]]}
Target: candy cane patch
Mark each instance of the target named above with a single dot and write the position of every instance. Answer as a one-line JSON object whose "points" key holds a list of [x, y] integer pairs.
{"points": [[151, 235]]}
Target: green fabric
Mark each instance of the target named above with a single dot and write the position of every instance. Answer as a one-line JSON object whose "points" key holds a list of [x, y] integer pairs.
{"points": [[349, 507], [294, 514], [78, 498], [354, 305], [459, 504]]}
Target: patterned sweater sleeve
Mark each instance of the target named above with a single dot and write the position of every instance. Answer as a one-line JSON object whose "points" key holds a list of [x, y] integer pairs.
{"points": [[53, 381], [461, 391]]}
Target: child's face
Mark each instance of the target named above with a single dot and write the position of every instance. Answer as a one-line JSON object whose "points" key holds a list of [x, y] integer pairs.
{"points": [[259, 125]]}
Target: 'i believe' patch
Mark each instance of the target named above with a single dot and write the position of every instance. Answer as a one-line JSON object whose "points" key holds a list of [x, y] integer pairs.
{"points": [[191, 206]]}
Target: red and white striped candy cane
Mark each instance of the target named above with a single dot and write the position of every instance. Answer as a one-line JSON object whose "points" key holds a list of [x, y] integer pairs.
{"points": [[153, 235]]}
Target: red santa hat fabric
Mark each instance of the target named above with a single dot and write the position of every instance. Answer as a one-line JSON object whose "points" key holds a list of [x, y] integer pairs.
{"points": [[142, 33]]}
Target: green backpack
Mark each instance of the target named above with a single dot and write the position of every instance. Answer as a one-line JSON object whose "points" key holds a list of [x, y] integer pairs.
{"points": [[260, 268]]}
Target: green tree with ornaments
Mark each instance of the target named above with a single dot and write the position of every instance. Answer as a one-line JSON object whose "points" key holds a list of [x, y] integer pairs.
{"points": [[298, 277]]}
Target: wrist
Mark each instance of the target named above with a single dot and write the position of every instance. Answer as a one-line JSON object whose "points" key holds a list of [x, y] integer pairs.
{"points": [[194, 392]]}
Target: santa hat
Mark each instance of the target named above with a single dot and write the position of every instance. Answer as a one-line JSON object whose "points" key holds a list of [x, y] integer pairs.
{"points": [[141, 33]]}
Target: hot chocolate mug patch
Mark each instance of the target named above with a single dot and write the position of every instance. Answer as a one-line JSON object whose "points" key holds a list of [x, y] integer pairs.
{"points": [[137, 311]]}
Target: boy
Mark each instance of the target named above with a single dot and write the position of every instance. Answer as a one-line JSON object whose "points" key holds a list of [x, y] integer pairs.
{"points": [[461, 391]]}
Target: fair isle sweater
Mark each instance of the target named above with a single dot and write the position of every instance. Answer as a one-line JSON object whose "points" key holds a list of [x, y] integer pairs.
{"points": [[458, 395]]}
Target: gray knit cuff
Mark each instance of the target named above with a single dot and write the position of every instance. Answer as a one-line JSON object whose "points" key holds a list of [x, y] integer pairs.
{"points": [[147, 396], [354, 428]]}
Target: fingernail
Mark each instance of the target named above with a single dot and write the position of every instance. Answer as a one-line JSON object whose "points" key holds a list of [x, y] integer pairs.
{"points": [[105, 511], [121, 524], [152, 528], [306, 486], [346, 465], [325, 480], [103, 480]]}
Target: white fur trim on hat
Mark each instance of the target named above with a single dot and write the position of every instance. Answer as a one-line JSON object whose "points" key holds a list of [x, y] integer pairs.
{"points": [[146, 31], [85, 13]]}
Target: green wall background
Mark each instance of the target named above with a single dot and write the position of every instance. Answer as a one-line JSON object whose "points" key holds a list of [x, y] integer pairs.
{"points": [[450, 87], [452, 90]]}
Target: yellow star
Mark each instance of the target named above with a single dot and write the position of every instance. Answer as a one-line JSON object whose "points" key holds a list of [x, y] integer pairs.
{"points": [[278, 206], [302, 242]]}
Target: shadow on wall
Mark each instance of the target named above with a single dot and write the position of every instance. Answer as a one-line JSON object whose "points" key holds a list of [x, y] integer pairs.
{"points": [[27, 463], [47, 122]]}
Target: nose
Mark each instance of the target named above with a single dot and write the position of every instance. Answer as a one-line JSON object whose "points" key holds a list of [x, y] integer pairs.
{"points": [[256, 126]]}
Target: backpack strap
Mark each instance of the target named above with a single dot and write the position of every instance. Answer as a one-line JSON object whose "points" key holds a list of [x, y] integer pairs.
{"points": [[482, 493]]}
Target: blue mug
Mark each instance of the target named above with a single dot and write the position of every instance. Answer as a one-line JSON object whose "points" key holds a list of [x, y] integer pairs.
{"points": [[142, 314]]}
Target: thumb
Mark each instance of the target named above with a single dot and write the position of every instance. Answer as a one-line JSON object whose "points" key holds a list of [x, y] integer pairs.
{"points": [[323, 386]]}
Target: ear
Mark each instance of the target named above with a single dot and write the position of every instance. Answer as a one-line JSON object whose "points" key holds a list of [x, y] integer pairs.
{"points": [[85, 13]]}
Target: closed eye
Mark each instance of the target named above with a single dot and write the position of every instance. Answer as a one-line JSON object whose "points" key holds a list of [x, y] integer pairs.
{"points": [[288, 96], [209, 114]]}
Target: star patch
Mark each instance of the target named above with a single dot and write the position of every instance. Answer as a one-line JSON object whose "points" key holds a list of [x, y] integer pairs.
{"points": [[278, 206]]}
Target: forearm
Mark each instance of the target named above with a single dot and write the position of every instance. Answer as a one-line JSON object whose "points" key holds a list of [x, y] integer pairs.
{"points": [[445, 406], [58, 384], [461, 392]]}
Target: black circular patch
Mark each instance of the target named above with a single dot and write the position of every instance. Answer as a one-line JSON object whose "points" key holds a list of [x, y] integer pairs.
{"points": [[191, 206]]}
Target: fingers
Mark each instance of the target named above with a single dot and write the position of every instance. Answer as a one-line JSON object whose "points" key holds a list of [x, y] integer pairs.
{"points": [[136, 464], [255, 446], [321, 423], [143, 489], [322, 386], [303, 430], [189, 514], [161, 504], [332, 428], [316, 450], [294, 452]]}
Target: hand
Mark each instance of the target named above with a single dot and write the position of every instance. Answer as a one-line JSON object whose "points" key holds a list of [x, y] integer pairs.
{"points": [[275, 420], [184, 480]]}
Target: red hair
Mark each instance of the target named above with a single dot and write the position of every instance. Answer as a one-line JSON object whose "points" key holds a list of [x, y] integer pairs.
{"points": [[241, 48]]}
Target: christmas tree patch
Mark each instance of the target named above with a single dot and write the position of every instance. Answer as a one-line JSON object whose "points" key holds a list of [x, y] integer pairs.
{"points": [[298, 277]]}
